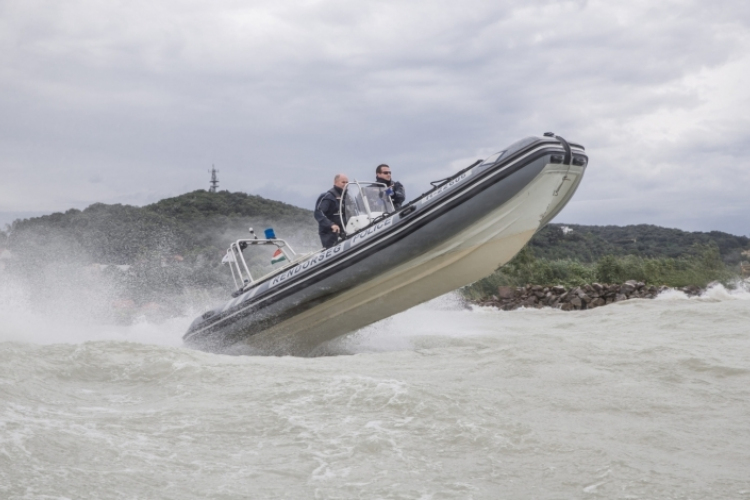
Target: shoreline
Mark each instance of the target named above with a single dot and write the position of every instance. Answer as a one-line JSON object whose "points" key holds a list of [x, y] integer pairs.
{"points": [[576, 298]]}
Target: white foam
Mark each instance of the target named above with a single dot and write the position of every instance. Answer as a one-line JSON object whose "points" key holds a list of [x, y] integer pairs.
{"points": [[672, 295], [741, 291], [716, 292], [23, 321]]}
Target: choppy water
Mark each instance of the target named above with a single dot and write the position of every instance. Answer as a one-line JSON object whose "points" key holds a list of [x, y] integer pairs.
{"points": [[640, 399]]}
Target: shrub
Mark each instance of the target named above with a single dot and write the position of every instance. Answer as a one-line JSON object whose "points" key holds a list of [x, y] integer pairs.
{"points": [[702, 266]]}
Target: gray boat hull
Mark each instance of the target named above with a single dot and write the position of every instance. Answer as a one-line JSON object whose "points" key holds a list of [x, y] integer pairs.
{"points": [[450, 237]]}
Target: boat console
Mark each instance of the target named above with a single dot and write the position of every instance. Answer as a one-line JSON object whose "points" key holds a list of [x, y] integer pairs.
{"points": [[363, 203]]}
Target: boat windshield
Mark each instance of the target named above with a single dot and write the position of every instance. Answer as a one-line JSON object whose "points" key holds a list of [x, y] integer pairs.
{"points": [[363, 202]]}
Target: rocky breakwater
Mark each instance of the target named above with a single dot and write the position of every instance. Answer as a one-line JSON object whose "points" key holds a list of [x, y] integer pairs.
{"points": [[575, 298]]}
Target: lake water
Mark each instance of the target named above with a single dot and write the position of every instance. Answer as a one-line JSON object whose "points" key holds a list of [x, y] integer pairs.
{"points": [[636, 400]]}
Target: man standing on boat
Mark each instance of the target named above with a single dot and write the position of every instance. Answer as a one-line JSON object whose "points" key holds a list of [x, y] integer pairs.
{"points": [[330, 227], [395, 189]]}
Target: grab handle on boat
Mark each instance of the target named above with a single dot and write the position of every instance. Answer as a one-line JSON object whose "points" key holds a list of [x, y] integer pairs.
{"points": [[407, 211], [568, 152], [568, 160], [443, 181]]}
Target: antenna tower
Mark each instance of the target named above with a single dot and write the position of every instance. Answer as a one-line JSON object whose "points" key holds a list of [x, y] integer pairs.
{"points": [[214, 180]]}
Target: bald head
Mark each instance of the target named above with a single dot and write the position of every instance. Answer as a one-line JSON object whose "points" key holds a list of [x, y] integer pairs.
{"points": [[340, 180]]}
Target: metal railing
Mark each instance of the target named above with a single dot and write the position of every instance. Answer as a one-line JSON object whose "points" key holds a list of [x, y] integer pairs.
{"points": [[240, 271]]}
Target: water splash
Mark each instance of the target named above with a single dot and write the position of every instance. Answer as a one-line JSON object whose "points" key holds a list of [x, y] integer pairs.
{"points": [[739, 290], [74, 316]]}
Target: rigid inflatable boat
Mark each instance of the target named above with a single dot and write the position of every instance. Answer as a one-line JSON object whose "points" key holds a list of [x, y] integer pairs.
{"points": [[462, 230]]}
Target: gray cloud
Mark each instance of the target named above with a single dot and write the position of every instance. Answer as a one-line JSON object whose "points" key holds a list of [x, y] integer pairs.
{"points": [[279, 96]]}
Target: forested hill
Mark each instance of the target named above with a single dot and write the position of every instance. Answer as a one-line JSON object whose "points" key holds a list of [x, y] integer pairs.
{"points": [[204, 205], [190, 225], [590, 243]]}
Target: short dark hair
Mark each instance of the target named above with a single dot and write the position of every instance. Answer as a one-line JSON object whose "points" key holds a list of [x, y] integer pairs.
{"points": [[380, 168]]}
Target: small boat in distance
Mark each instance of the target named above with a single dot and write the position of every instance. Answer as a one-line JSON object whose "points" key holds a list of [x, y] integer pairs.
{"points": [[462, 230]]}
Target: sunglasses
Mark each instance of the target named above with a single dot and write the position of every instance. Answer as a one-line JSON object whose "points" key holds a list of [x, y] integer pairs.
{"points": [[386, 173]]}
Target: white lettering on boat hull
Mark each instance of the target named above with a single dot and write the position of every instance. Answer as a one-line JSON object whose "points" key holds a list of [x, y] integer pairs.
{"points": [[446, 187], [370, 231], [311, 262]]}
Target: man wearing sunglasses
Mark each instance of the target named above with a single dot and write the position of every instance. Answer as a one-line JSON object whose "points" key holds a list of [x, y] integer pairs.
{"points": [[395, 189]]}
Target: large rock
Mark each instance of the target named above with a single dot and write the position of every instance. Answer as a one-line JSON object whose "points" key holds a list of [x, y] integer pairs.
{"points": [[691, 290], [506, 292]]}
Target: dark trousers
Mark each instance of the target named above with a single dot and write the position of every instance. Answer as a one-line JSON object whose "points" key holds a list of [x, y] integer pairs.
{"points": [[329, 239]]}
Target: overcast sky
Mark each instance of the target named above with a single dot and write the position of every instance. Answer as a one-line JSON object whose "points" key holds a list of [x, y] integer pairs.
{"points": [[132, 101]]}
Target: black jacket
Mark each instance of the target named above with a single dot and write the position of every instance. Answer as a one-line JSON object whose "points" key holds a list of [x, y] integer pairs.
{"points": [[399, 193], [327, 210]]}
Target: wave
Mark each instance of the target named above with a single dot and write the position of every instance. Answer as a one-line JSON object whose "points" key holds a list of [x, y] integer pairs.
{"points": [[715, 293]]}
